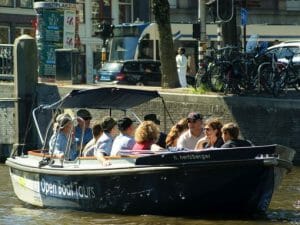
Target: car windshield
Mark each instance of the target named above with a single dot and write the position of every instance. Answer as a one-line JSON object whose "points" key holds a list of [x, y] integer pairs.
{"points": [[289, 51], [112, 66]]}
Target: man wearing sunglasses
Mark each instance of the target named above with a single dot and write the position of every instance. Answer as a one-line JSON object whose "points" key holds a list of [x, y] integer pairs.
{"points": [[190, 138]]}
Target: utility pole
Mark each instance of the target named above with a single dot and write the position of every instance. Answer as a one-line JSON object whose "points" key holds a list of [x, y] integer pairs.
{"points": [[202, 23]]}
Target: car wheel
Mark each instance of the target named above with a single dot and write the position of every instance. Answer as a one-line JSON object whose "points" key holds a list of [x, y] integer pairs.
{"points": [[139, 84]]}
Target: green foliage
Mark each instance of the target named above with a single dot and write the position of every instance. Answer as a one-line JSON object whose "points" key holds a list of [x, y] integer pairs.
{"points": [[202, 89]]}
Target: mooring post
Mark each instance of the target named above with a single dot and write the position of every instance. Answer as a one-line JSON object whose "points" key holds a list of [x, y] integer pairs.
{"points": [[25, 80]]}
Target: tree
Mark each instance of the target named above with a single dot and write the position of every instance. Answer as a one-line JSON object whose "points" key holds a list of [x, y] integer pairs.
{"points": [[161, 11]]}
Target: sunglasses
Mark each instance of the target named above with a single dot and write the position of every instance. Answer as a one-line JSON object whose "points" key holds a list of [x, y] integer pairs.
{"points": [[206, 129]]}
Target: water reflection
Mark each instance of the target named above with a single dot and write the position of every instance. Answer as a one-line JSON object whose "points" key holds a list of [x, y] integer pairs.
{"points": [[284, 209]]}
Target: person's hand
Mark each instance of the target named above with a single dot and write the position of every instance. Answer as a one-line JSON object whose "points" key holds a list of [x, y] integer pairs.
{"points": [[155, 148]]}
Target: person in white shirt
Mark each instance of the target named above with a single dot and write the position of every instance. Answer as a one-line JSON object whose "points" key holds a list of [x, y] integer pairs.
{"points": [[190, 137], [181, 62]]}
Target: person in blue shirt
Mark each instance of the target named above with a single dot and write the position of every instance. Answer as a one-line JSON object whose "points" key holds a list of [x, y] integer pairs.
{"points": [[83, 119], [125, 140], [63, 139], [105, 142]]}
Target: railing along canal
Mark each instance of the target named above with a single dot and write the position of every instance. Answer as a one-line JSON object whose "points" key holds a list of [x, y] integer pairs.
{"points": [[6, 62]]}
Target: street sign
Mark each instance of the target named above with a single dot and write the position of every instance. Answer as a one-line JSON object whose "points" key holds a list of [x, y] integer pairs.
{"points": [[244, 16]]}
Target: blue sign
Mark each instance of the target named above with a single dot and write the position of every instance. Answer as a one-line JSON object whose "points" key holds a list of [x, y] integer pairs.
{"points": [[244, 16]]}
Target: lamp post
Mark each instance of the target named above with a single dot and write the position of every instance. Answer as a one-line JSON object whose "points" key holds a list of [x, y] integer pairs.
{"points": [[202, 24]]}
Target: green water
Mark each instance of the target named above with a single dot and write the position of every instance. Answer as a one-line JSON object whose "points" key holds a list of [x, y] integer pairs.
{"points": [[284, 209]]}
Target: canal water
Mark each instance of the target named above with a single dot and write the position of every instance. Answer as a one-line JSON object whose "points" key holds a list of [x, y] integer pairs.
{"points": [[284, 209]]}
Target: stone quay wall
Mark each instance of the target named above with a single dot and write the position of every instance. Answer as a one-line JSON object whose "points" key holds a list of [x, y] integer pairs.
{"points": [[261, 120]]}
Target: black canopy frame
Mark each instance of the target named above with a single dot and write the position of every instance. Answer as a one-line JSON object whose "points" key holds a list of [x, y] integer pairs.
{"points": [[112, 98]]}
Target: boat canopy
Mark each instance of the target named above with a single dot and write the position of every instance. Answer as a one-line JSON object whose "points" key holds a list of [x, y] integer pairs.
{"points": [[104, 98]]}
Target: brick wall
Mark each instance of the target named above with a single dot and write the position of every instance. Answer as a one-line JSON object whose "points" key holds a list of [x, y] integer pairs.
{"points": [[262, 120]]}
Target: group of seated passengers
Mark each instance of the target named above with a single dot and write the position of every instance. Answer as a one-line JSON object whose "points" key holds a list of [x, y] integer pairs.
{"points": [[108, 137], [199, 134]]}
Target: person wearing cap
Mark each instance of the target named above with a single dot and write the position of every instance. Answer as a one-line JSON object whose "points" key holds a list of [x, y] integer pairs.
{"points": [[190, 137], [110, 131], [181, 62], [125, 140], [63, 137], [162, 136], [83, 119]]}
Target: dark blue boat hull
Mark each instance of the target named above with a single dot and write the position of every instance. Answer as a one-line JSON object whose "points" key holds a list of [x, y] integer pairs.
{"points": [[242, 187]]}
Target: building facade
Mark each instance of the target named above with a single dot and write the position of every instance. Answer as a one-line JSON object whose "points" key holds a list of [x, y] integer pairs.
{"points": [[16, 17]]}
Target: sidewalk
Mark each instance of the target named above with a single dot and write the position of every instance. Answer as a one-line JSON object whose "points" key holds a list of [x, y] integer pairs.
{"points": [[291, 94]]}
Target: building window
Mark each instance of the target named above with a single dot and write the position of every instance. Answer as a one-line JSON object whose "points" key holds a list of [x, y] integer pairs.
{"points": [[4, 35], [95, 15], [293, 5], [187, 4], [26, 4], [173, 4], [125, 11], [24, 30], [80, 10], [8, 3]]}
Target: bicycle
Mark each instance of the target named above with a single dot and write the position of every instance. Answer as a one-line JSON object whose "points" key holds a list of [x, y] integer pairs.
{"points": [[289, 76], [226, 72]]}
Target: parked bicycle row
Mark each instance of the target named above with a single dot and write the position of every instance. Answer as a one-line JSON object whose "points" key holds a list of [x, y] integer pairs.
{"points": [[228, 70]]}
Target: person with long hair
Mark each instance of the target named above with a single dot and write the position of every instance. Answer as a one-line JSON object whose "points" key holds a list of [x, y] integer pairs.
{"points": [[176, 131], [213, 135]]}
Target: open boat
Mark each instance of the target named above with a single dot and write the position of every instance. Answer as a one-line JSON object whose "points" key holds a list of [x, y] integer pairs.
{"points": [[170, 182]]}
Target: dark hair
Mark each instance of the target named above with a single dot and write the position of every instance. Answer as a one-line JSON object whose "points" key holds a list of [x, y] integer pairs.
{"points": [[84, 114], [182, 50], [216, 125], [124, 123], [108, 123], [97, 129]]}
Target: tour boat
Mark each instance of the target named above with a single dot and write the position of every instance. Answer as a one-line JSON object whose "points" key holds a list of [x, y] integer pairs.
{"points": [[232, 181]]}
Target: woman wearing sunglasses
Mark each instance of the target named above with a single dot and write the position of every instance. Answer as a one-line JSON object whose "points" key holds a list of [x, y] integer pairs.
{"points": [[213, 135]]}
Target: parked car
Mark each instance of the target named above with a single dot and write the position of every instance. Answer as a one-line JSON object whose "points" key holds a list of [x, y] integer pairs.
{"points": [[140, 72], [109, 71], [283, 50]]}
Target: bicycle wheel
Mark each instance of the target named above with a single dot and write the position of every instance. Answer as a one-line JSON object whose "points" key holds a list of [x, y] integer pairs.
{"points": [[216, 79], [297, 85], [279, 83], [292, 79], [266, 78]]}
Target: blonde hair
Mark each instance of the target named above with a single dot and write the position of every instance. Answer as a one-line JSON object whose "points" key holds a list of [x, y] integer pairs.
{"points": [[176, 131], [147, 131]]}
